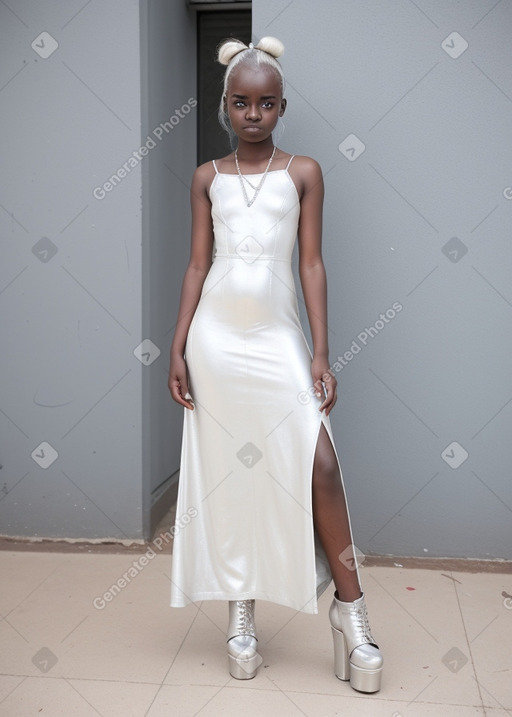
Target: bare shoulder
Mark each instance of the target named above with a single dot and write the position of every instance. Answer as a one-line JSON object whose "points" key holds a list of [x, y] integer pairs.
{"points": [[205, 172], [203, 177], [306, 167], [306, 173], [307, 163]]}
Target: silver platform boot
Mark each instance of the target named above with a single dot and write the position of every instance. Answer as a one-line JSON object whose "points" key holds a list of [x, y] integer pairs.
{"points": [[243, 658], [356, 654]]}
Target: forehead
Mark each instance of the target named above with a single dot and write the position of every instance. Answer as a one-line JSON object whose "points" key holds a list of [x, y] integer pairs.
{"points": [[245, 79]]}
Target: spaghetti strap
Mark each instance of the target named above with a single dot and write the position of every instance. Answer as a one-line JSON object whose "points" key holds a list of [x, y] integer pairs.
{"points": [[289, 162], [215, 167]]}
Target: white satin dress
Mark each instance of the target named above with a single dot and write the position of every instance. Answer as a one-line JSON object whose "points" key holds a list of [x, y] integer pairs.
{"points": [[248, 445]]}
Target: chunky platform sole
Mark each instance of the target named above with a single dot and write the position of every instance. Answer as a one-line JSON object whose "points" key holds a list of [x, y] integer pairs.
{"points": [[361, 679], [244, 669]]}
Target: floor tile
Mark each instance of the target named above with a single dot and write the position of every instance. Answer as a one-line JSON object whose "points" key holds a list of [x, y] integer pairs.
{"points": [[57, 627], [487, 615], [46, 696], [421, 631], [68, 649], [8, 683], [129, 699], [249, 703], [182, 701], [374, 706]]}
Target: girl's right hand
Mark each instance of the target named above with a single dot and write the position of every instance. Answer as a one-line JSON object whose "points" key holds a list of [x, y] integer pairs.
{"points": [[178, 382]]}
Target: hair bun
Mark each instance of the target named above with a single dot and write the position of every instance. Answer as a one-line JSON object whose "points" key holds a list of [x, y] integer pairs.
{"points": [[228, 49], [231, 47], [271, 45]]}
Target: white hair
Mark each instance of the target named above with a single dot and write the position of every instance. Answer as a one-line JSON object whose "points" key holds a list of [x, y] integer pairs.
{"points": [[232, 53]]}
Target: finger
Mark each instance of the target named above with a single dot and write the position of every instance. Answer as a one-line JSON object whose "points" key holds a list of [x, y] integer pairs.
{"points": [[319, 388], [180, 393], [329, 380], [188, 403], [327, 405], [330, 400], [184, 402]]}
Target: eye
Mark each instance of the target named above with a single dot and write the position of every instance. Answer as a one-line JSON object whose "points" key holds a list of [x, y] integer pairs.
{"points": [[268, 104], [238, 103]]}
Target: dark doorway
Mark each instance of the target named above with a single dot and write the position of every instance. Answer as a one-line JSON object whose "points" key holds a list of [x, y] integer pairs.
{"points": [[213, 27]]}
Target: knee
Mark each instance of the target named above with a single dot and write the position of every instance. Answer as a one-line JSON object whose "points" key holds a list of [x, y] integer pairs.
{"points": [[326, 473]]}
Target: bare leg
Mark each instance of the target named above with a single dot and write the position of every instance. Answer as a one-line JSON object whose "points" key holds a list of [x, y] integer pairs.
{"points": [[330, 517]]}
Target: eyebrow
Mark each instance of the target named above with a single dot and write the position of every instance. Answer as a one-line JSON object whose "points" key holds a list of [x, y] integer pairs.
{"points": [[245, 97]]}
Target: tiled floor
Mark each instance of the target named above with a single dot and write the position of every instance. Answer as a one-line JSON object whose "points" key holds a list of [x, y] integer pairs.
{"points": [[446, 639]]}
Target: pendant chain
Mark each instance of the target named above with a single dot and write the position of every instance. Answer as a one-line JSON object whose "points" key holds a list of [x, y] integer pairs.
{"points": [[248, 201]]}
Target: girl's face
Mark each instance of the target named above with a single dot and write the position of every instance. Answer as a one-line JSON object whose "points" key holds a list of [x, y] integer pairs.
{"points": [[254, 102]]}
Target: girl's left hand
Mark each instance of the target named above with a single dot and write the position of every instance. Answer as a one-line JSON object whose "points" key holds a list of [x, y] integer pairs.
{"points": [[322, 376]]}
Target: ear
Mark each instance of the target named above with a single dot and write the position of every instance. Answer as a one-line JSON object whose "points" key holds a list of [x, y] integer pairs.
{"points": [[224, 103], [283, 107]]}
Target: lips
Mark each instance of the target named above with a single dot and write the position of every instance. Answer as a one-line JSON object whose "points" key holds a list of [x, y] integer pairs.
{"points": [[252, 128]]}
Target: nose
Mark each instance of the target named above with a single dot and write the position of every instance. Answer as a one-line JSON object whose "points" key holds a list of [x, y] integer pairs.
{"points": [[253, 112]]}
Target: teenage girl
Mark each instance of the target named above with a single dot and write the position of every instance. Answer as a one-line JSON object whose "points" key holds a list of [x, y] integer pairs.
{"points": [[258, 460]]}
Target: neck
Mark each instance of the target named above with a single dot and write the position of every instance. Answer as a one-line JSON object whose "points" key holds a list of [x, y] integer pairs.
{"points": [[255, 151]]}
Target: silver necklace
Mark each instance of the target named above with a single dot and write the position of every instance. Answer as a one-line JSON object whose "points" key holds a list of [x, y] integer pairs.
{"points": [[248, 201]]}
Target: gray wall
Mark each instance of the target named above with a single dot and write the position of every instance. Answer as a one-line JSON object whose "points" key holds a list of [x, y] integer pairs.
{"points": [[168, 34], [420, 217], [84, 279]]}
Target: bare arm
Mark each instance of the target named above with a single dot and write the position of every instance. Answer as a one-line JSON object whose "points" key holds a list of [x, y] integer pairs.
{"points": [[193, 280], [313, 277]]}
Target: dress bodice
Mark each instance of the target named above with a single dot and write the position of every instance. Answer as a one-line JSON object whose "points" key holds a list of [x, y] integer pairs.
{"points": [[265, 230]]}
